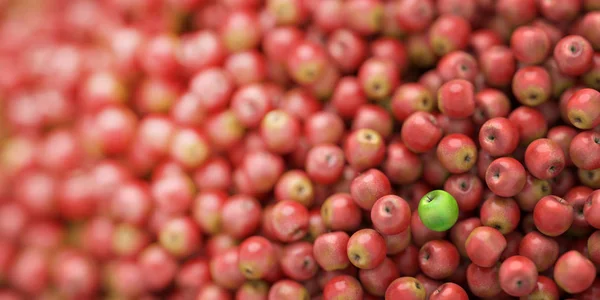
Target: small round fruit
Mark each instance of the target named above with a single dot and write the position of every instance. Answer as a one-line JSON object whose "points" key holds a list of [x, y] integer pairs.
{"points": [[438, 210]]}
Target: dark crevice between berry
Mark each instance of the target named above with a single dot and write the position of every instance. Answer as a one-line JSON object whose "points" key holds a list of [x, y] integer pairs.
{"points": [[496, 226], [552, 169], [545, 188]]}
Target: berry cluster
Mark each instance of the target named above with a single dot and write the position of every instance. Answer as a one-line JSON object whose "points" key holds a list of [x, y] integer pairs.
{"points": [[299, 149]]}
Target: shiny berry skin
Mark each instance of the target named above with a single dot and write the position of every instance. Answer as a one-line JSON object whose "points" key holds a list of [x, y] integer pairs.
{"points": [[483, 282], [532, 85], [505, 176], [583, 109], [573, 272], [498, 65], [458, 65], [406, 288], [343, 286], [544, 158], [449, 291], [448, 33], [484, 245], [340, 212], [498, 136], [289, 220], [257, 257], [297, 261], [457, 153], [378, 77], [438, 259], [574, 55], [530, 45], [364, 148], [591, 208], [390, 215], [329, 250], [306, 62], [456, 98], [280, 130], [325, 163], [530, 122], [584, 150], [421, 132], [500, 213], [366, 249], [324, 127], [368, 187], [518, 276], [541, 249]]}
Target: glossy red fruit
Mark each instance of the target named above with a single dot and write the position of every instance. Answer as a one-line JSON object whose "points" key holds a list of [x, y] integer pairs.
{"points": [[530, 122], [340, 212], [498, 136], [540, 249], [449, 291], [366, 249], [420, 132], [257, 257], [329, 250], [583, 150], [390, 215], [532, 85], [376, 281], [518, 276], [544, 158], [530, 44], [591, 208], [456, 98], [457, 153], [368, 187], [289, 221], [583, 109], [505, 176], [553, 215], [573, 55], [573, 272], [448, 33], [438, 259], [406, 288], [484, 245], [343, 286], [500, 213], [364, 148]]}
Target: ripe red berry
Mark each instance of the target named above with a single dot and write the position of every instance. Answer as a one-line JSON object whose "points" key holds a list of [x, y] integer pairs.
{"points": [[366, 249], [574, 55], [390, 215]]}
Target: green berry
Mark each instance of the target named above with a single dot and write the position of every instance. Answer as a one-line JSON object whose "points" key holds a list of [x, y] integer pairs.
{"points": [[438, 210]]}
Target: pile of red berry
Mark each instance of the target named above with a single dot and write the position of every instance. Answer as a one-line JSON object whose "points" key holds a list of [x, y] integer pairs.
{"points": [[299, 149]]}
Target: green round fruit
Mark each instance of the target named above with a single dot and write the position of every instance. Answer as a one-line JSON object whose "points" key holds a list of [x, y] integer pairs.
{"points": [[438, 210]]}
